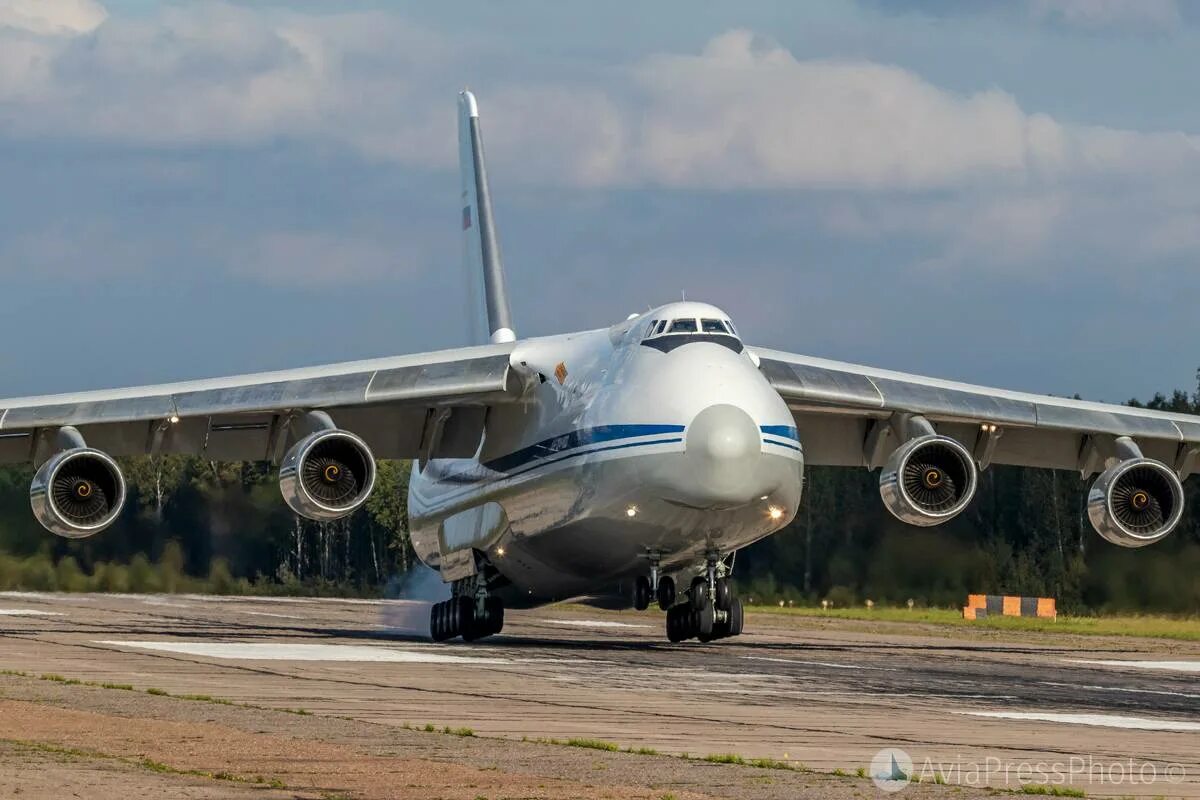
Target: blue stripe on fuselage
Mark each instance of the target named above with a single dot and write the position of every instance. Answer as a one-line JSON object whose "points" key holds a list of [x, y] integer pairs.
{"points": [[782, 431], [575, 439]]}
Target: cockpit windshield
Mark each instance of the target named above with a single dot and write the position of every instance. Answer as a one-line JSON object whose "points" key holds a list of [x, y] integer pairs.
{"points": [[683, 326], [694, 329]]}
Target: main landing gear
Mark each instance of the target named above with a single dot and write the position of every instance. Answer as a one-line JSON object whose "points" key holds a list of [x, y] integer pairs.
{"points": [[710, 610], [472, 614]]}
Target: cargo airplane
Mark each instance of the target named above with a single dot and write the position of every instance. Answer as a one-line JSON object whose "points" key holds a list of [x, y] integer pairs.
{"points": [[633, 460]]}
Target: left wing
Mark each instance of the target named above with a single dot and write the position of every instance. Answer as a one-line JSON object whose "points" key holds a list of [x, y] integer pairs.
{"points": [[430, 404], [837, 406]]}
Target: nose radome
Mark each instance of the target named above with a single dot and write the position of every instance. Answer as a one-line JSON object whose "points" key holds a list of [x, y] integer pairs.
{"points": [[723, 447], [723, 433]]}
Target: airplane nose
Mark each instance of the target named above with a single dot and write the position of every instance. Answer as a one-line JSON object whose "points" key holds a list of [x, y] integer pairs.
{"points": [[723, 448]]}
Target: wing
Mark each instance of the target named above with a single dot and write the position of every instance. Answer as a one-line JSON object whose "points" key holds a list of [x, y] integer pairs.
{"points": [[431, 404], [840, 409]]}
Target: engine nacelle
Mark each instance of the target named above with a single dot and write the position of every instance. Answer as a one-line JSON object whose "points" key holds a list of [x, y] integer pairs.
{"points": [[327, 475], [928, 480], [1136, 502], [77, 493]]}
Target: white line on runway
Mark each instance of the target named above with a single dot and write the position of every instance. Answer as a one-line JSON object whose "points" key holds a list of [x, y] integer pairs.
{"points": [[1099, 720], [28, 612], [1178, 666], [1119, 689], [303, 652], [817, 663], [593, 623]]}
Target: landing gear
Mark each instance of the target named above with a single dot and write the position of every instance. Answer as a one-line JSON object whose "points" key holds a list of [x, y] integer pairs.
{"points": [[472, 614], [711, 609], [666, 593], [641, 593]]}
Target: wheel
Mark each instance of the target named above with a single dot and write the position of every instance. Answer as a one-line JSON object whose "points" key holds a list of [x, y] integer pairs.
{"points": [[737, 617], [705, 619], [495, 615], [641, 593], [724, 594], [666, 593], [453, 618], [437, 626], [674, 626], [698, 593], [463, 615]]}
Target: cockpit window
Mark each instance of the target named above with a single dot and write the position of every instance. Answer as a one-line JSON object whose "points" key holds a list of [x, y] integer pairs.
{"points": [[683, 326], [650, 328], [661, 326], [732, 329], [713, 326]]}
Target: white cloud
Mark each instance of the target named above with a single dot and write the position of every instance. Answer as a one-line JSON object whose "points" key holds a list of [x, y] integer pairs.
{"points": [[52, 17], [1096, 14]]}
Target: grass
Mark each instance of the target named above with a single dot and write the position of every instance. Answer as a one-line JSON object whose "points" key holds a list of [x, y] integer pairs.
{"points": [[1150, 626], [724, 758], [593, 744], [1052, 791], [148, 764]]}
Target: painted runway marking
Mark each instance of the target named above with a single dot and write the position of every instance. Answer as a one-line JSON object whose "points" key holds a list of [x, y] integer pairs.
{"points": [[28, 612], [593, 623], [1177, 666], [304, 652], [1098, 720], [818, 663], [1119, 689]]}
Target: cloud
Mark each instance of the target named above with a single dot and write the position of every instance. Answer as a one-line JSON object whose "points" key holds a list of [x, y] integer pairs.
{"points": [[1098, 14], [52, 17]]}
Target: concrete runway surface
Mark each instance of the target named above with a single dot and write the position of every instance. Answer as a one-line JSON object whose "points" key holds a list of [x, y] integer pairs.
{"points": [[1114, 716]]}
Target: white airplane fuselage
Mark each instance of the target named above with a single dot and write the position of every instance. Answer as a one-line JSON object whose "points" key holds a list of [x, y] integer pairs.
{"points": [[628, 448]]}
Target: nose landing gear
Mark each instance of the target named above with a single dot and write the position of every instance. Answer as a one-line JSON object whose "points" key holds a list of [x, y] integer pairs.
{"points": [[711, 610]]}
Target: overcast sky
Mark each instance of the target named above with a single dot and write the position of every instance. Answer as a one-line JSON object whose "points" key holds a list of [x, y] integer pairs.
{"points": [[1001, 194]]}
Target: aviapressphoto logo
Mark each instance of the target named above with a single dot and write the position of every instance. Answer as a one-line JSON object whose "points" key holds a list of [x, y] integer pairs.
{"points": [[892, 769]]}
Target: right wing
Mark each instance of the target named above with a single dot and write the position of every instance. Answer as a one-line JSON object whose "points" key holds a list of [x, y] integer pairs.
{"points": [[425, 405], [837, 406]]}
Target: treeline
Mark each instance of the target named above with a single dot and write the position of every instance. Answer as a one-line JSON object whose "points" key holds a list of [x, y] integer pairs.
{"points": [[196, 525]]}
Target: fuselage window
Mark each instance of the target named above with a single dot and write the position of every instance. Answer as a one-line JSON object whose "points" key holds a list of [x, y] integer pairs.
{"points": [[683, 326], [713, 326]]}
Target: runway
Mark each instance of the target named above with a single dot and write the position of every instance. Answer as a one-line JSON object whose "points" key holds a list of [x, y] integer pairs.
{"points": [[829, 695]]}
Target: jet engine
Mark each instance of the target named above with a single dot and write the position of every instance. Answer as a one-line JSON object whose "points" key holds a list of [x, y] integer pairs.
{"points": [[928, 480], [1136, 502], [78, 492], [327, 475]]}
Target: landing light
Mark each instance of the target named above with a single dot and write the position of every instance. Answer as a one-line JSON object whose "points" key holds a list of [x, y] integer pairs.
{"points": [[775, 512], [631, 511], [174, 419], [500, 552]]}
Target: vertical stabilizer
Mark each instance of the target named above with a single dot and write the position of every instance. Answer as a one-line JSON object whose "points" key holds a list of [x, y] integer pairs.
{"points": [[480, 248]]}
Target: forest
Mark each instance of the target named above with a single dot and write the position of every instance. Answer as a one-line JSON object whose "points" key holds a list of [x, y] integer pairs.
{"points": [[196, 525]]}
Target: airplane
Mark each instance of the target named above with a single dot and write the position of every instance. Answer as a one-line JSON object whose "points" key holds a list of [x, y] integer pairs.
{"points": [[631, 461]]}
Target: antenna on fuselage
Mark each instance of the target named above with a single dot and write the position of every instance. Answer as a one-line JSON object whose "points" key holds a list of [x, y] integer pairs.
{"points": [[481, 248]]}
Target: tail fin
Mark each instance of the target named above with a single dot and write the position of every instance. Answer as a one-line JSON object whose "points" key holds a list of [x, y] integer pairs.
{"points": [[480, 248]]}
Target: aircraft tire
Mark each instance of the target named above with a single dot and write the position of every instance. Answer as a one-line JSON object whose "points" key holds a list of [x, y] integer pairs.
{"points": [[705, 620], [641, 593], [494, 610], [666, 593], [697, 594], [724, 594], [737, 617]]}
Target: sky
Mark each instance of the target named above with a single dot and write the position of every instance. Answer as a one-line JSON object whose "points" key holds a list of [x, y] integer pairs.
{"points": [[1006, 194]]}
